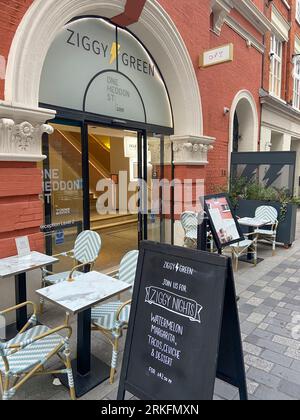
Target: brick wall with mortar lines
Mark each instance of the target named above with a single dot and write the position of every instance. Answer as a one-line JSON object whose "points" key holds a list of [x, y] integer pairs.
{"points": [[218, 85], [12, 12], [21, 210]]}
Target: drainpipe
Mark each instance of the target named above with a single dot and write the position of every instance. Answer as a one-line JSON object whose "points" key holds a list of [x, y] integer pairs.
{"points": [[262, 86]]}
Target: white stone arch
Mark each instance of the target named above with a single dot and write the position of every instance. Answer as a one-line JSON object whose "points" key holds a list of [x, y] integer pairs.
{"points": [[44, 20], [244, 104]]}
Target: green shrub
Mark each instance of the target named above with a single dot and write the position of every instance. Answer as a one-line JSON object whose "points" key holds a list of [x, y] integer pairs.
{"points": [[242, 189]]}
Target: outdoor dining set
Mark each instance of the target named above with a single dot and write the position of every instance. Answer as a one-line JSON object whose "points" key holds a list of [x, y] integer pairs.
{"points": [[95, 299], [90, 295], [262, 227]]}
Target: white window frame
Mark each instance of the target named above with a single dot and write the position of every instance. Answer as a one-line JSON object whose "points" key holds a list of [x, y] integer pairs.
{"points": [[298, 11], [296, 90], [276, 52]]}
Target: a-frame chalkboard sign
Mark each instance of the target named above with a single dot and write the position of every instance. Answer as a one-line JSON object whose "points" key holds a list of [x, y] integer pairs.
{"points": [[184, 329]]}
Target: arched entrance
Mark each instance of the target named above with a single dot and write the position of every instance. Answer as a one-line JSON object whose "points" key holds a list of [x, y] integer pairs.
{"points": [[41, 25], [236, 133], [243, 128], [44, 21], [111, 105], [243, 133]]}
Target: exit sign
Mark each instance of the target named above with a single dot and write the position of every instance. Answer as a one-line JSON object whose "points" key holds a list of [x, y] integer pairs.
{"points": [[216, 56]]}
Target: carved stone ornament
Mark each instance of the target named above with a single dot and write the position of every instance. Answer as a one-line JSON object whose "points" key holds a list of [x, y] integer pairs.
{"points": [[191, 150], [187, 150], [220, 9], [23, 141]]}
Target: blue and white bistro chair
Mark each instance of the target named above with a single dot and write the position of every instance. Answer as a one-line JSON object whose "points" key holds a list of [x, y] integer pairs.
{"points": [[85, 253], [269, 231], [28, 354], [189, 222], [111, 319], [245, 247]]}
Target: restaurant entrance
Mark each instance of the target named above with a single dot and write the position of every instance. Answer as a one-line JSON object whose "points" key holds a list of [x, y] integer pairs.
{"points": [[108, 180], [110, 149]]}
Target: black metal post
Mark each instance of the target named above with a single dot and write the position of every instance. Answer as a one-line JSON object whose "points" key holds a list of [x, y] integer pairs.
{"points": [[172, 196], [145, 183], [84, 343], [202, 233], [86, 178], [140, 176], [21, 297], [161, 191]]}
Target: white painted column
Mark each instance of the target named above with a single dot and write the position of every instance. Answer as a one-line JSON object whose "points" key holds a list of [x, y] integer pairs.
{"points": [[296, 147], [287, 142], [265, 139]]}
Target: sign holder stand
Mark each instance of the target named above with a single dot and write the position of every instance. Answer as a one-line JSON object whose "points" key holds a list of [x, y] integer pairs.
{"points": [[203, 229], [202, 233], [231, 367], [230, 359]]}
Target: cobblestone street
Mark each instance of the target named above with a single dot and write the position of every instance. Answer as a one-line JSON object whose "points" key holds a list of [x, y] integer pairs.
{"points": [[269, 309]]}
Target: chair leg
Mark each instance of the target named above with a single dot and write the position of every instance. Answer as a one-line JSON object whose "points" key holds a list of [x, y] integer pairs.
{"points": [[6, 396], [70, 376], [42, 301], [255, 258], [274, 248], [236, 263], [1, 385], [115, 354]]}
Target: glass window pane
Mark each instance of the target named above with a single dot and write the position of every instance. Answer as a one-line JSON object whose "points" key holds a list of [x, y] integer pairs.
{"points": [[63, 191], [114, 192], [160, 219]]}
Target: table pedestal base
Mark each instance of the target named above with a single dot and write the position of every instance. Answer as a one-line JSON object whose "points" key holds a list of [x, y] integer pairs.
{"points": [[99, 373]]}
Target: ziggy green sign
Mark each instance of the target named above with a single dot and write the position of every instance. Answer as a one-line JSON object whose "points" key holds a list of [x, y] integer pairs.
{"points": [[96, 67]]}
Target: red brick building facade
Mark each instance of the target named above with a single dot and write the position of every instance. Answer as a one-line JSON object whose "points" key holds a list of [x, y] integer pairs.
{"points": [[217, 108], [280, 124]]}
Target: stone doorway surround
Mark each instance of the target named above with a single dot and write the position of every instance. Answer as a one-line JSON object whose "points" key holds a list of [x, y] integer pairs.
{"points": [[23, 122]]}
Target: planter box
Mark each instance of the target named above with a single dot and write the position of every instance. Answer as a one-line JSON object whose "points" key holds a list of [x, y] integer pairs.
{"points": [[286, 233]]}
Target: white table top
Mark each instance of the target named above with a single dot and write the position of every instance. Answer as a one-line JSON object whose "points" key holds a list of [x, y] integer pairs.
{"points": [[253, 222], [13, 266], [85, 292]]}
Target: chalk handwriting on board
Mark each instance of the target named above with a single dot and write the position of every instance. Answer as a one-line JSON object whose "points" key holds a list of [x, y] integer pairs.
{"points": [[176, 304], [173, 354]]}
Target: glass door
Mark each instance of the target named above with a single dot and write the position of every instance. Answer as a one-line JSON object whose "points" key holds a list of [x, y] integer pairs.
{"points": [[116, 182], [160, 189], [62, 190], [114, 191]]}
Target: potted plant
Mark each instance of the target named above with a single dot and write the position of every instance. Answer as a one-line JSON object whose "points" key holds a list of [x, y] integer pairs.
{"points": [[248, 196]]}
